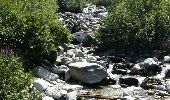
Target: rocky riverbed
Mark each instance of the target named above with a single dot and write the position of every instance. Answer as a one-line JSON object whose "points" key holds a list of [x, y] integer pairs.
{"points": [[79, 73]]}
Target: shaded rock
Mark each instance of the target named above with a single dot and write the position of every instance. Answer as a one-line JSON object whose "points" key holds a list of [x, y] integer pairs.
{"points": [[151, 66], [83, 37], [128, 81], [45, 74], [59, 69], [79, 53], [57, 62], [53, 92], [115, 59], [89, 73], [167, 73], [135, 69], [149, 82], [120, 71], [67, 76], [41, 84], [66, 61]]}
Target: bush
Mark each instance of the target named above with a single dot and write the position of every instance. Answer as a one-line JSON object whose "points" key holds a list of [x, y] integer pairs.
{"points": [[136, 27], [14, 81], [75, 6], [31, 26]]}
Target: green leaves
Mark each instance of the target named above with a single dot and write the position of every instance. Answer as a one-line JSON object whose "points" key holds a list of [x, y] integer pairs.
{"points": [[136, 26], [14, 80], [32, 26]]}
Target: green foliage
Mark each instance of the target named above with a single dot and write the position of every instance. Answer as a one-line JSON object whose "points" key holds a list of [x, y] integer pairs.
{"points": [[32, 26], [136, 26], [71, 5], [14, 81]]}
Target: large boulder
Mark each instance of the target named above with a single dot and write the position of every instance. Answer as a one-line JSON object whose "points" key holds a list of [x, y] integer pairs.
{"points": [[83, 37], [150, 66], [45, 74], [89, 73]]}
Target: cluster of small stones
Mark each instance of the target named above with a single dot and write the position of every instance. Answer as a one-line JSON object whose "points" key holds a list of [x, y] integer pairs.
{"points": [[85, 23], [69, 75], [77, 67]]}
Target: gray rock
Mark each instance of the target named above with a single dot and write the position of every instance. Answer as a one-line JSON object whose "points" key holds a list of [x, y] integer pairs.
{"points": [[67, 76], [45, 74], [151, 66], [71, 52], [91, 58], [71, 96], [79, 53], [83, 37], [47, 98], [53, 92], [59, 69], [66, 60], [89, 73], [167, 59], [135, 69], [71, 88], [41, 84]]}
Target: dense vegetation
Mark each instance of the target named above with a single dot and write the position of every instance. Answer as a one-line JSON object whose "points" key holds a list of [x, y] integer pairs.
{"points": [[137, 27], [14, 81], [31, 26]]}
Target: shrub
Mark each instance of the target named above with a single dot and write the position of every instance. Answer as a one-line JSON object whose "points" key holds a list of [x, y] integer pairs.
{"points": [[75, 6], [14, 81], [31, 26], [136, 26]]}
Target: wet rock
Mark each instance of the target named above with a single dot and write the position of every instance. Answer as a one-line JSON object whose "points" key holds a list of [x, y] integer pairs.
{"points": [[89, 73], [166, 59], [128, 81], [45, 74], [41, 84], [149, 82]]}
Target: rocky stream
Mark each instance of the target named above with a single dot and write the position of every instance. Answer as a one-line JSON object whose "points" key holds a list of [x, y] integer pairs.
{"points": [[81, 73]]}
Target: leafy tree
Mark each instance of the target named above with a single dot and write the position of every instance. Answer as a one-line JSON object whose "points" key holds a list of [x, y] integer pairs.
{"points": [[71, 5], [32, 26], [136, 27], [15, 81]]}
